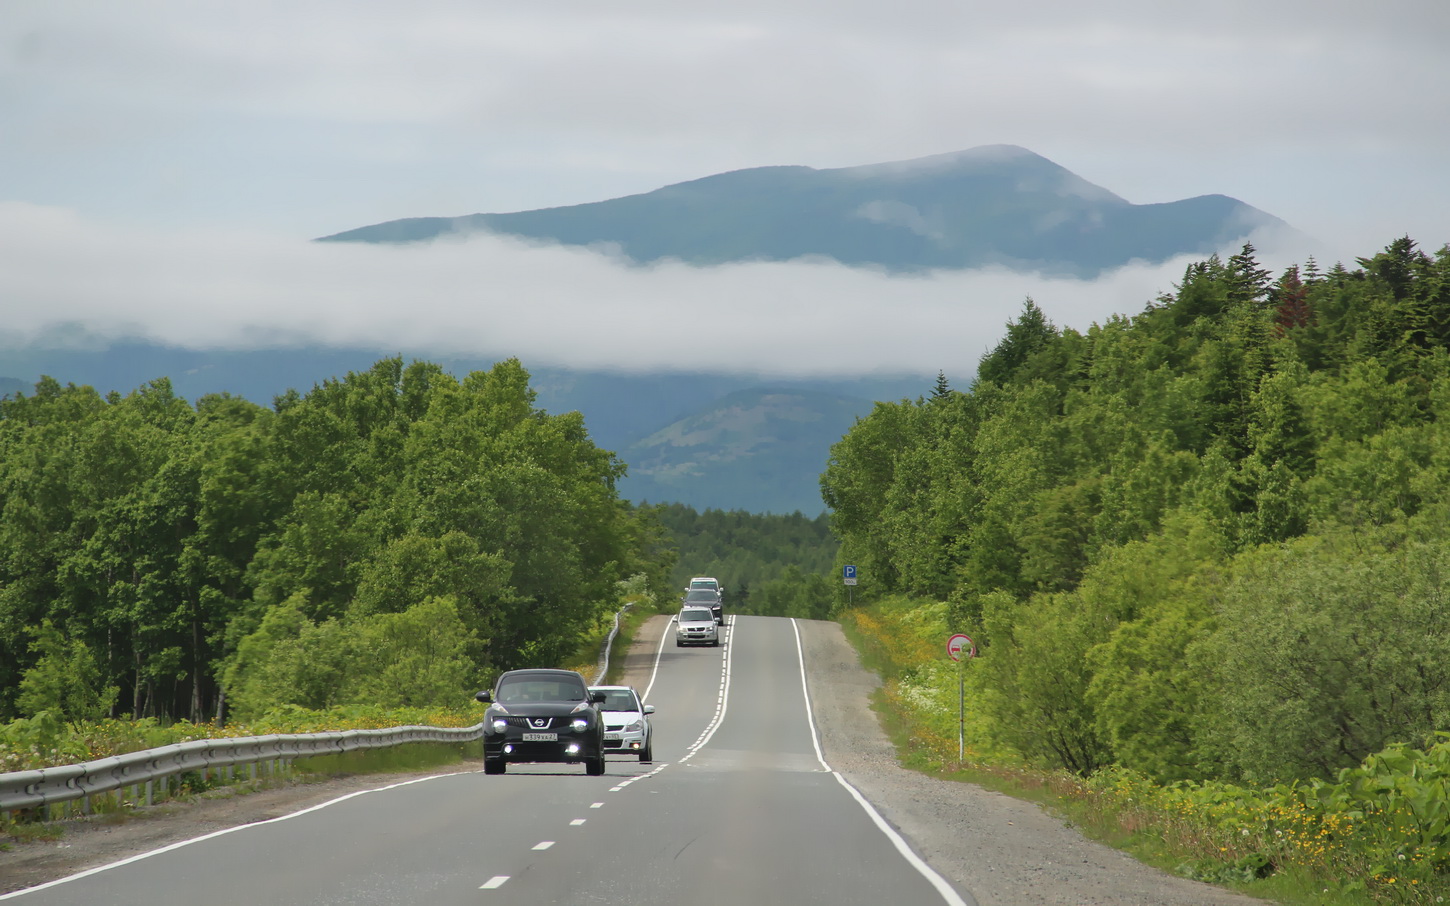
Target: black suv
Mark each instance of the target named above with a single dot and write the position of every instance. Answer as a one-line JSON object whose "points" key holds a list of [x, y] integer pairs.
{"points": [[705, 597], [542, 715]]}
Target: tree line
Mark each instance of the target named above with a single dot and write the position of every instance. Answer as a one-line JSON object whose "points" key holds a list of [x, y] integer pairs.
{"points": [[770, 564], [392, 537], [1205, 541]]}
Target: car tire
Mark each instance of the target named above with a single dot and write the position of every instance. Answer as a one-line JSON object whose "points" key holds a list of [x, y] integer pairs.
{"points": [[647, 754], [494, 766], [679, 644], [715, 644], [594, 766]]}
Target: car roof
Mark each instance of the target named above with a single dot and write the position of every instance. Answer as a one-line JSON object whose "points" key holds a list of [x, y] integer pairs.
{"points": [[611, 688], [551, 672]]}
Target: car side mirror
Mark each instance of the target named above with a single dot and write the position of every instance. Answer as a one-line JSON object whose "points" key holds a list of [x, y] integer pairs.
{"points": [[649, 709], [485, 696], [597, 697]]}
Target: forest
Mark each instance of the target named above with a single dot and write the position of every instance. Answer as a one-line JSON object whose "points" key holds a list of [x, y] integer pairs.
{"points": [[392, 538], [769, 564], [1205, 542]]}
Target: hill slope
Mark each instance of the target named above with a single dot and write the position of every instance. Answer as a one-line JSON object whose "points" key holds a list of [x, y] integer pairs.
{"points": [[760, 450]]}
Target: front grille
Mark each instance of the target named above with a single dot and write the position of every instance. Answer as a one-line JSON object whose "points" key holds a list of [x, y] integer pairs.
{"points": [[527, 723]]}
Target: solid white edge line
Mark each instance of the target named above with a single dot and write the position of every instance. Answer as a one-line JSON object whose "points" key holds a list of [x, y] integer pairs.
{"points": [[214, 834], [948, 893], [658, 654]]}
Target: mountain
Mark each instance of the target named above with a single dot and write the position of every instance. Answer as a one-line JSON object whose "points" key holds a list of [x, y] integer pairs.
{"points": [[994, 205], [761, 450]]}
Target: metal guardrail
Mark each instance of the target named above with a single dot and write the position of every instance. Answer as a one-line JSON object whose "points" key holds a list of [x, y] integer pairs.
{"points": [[609, 644], [44, 786]]}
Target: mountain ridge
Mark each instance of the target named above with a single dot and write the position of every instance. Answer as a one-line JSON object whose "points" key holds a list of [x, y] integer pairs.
{"points": [[995, 205]]}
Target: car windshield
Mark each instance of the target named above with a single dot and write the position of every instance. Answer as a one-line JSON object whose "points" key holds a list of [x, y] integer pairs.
{"points": [[696, 615], [619, 700], [701, 596], [539, 689], [702, 583]]}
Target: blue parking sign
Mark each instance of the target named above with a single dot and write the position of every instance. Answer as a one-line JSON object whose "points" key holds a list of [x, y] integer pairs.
{"points": [[849, 574]]}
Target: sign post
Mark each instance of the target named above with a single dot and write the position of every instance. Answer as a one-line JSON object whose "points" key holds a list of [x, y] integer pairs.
{"points": [[962, 649], [848, 573]]}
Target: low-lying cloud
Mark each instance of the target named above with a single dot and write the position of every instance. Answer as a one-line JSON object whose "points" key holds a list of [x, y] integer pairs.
{"points": [[496, 296]]}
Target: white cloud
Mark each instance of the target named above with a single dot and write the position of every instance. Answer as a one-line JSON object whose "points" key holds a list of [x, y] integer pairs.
{"points": [[492, 296]]}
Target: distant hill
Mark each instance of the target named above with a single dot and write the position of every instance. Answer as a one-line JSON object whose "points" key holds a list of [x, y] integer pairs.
{"points": [[993, 205], [10, 386], [760, 450]]}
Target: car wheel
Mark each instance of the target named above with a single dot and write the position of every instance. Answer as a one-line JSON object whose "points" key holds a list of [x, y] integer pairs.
{"points": [[594, 766], [494, 766], [647, 754], [679, 644], [716, 643]]}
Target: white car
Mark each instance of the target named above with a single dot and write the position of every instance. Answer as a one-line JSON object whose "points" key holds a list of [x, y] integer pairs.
{"points": [[709, 582], [696, 626], [626, 722]]}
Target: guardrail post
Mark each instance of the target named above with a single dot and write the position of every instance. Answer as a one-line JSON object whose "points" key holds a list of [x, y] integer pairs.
{"points": [[150, 790]]}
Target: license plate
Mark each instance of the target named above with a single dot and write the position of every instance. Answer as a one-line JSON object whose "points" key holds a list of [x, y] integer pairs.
{"points": [[613, 737], [541, 737]]}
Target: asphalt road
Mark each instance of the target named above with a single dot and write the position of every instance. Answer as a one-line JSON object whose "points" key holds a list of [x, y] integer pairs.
{"points": [[738, 807]]}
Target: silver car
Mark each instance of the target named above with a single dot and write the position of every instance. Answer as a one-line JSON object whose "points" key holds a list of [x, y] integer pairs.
{"points": [[696, 626], [626, 722]]}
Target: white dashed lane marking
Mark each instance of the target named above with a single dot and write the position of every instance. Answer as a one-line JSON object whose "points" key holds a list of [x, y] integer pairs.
{"points": [[545, 845], [495, 882]]}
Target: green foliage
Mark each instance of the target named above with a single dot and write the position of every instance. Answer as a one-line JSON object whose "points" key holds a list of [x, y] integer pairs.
{"points": [[765, 562], [794, 594], [65, 680], [1332, 648], [1203, 542], [189, 557]]}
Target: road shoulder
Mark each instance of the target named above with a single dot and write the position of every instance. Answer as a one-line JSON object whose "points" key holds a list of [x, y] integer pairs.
{"points": [[1002, 851]]}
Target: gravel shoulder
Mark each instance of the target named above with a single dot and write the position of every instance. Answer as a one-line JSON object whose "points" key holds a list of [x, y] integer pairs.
{"points": [[999, 850]]}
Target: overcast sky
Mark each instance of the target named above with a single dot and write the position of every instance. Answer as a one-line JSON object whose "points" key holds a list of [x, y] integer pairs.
{"points": [[163, 162]]}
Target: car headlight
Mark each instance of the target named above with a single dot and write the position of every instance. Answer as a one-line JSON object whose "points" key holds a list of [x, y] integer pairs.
{"points": [[634, 726], [499, 724], [580, 723]]}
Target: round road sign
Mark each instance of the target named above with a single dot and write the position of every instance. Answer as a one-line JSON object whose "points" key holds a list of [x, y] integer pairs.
{"points": [[959, 646]]}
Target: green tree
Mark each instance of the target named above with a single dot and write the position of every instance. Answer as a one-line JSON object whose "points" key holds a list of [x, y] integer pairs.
{"points": [[66, 680]]}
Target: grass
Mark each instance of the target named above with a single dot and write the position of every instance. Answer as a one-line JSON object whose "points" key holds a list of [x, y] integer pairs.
{"points": [[418, 756]]}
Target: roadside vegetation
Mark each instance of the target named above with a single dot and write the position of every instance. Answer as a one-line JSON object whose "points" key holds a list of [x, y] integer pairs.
{"points": [[770, 564], [1202, 552], [367, 554]]}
